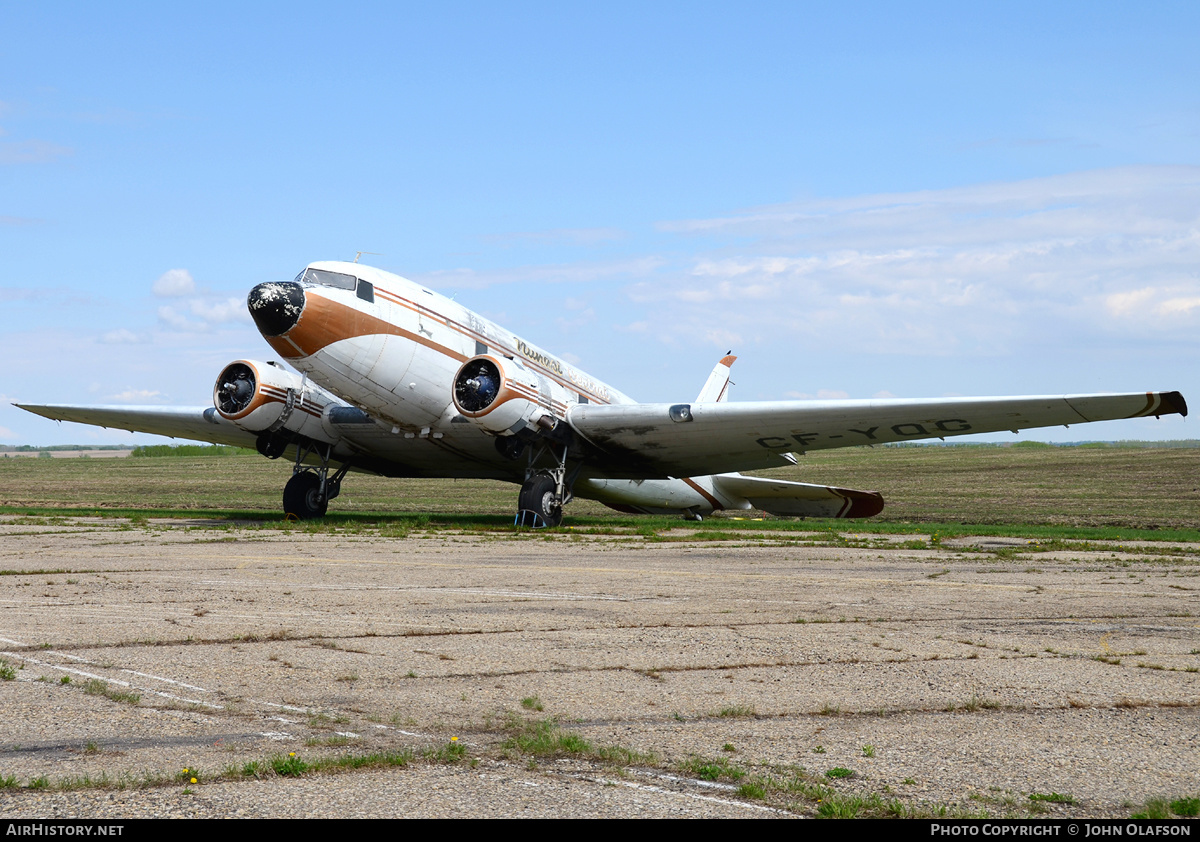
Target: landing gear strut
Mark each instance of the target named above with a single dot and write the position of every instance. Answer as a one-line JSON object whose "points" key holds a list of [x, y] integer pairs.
{"points": [[307, 494], [547, 489]]}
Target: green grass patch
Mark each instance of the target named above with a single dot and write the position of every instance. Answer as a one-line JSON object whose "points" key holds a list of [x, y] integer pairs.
{"points": [[1186, 807], [96, 687], [738, 712], [712, 769], [544, 738]]}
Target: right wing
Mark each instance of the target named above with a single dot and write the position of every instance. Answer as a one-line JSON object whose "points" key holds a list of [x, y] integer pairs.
{"points": [[195, 423], [687, 440]]}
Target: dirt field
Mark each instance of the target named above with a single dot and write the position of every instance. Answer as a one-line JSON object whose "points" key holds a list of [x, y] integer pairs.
{"points": [[442, 671]]}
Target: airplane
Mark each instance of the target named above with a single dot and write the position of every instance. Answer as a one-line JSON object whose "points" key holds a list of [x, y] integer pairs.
{"points": [[394, 379]]}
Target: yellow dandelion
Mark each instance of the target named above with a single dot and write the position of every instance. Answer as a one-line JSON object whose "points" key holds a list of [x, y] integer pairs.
{"points": [[193, 780]]}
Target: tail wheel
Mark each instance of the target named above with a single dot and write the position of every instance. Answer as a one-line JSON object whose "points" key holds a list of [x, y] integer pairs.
{"points": [[302, 497], [539, 495]]}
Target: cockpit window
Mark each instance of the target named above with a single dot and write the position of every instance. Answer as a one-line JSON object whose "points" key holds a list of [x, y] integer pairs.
{"points": [[325, 278]]}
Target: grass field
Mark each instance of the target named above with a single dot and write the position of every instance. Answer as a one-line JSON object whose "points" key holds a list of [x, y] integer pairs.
{"points": [[1129, 488]]}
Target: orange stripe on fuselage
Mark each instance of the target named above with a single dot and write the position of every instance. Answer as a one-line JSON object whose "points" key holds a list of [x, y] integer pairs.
{"points": [[324, 322], [332, 321]]}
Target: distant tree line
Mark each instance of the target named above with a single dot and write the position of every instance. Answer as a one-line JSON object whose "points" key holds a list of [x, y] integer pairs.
{"points": [[158, 451]]}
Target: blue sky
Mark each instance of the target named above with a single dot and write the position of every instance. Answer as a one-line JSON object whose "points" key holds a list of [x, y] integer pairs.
{"points": [[859, 200]]}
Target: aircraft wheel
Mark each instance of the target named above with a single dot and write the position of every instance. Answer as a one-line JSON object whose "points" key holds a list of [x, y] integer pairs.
{"points": [[302, 496], [538, 496]]}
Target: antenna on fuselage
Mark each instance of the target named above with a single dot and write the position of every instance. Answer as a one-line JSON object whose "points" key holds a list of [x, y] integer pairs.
{"points": [[359, 254]]}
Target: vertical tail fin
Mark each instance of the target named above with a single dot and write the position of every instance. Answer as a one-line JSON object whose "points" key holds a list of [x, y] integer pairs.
{"points": [[716, 388]]}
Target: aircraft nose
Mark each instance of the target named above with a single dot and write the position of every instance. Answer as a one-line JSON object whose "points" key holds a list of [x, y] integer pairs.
{"points": [[276, 306]]}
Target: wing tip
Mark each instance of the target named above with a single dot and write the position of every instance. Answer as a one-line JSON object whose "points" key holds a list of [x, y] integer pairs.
{"points": [[1175, 403]]}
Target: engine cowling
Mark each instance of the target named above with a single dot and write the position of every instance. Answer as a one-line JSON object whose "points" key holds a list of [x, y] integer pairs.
{"points": [[501, 396], [264, 397]]}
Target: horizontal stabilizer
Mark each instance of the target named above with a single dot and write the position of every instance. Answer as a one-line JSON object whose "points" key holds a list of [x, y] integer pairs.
{"points": [[800, 499]]}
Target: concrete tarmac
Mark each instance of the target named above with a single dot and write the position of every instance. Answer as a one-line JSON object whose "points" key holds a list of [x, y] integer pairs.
{"points": [[967, 676]]}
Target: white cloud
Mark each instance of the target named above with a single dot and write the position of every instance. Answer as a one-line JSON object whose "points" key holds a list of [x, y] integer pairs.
{"points": [[120, 336], [174, 283], [220, 311], [199, 315], [978, 269], [582, 272], [178, 321], [570, 236], [32, 152]]}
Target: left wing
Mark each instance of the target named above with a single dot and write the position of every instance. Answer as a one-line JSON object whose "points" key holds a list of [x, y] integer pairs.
{"points": [[685, 440], [196, 423]]}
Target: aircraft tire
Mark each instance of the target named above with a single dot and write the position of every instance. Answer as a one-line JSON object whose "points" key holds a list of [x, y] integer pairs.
{"points": [[537, 495], [302, 497]]}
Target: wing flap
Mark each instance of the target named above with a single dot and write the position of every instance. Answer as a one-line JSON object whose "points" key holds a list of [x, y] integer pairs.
{"points": [[714, 438], [800, 499]]}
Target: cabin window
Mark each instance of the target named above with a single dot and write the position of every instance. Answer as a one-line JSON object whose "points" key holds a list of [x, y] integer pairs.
{"points": [[366, 291], [325, 278]]}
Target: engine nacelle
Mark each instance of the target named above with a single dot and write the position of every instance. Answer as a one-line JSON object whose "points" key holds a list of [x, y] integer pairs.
{"points": [[265, 398], [502, 396]]}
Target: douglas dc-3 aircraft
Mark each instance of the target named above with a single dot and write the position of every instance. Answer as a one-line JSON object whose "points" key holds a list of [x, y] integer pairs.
{"points": [[400, 381]]}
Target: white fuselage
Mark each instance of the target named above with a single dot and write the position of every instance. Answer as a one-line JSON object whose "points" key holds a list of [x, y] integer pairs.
{"points": [[396, 357]]}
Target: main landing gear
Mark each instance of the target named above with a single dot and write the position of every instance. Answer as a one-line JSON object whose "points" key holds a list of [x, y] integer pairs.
{"points": [[307, 494], [547, 489]]}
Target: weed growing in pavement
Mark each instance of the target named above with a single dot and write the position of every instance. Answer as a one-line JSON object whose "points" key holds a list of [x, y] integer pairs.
{"points": [[738, 712], [1052, 797], [451, 752], [714, 769], [544, 738], [1186, 807], [7, 673], [532, 703], [839, 772], [96, 687], [290, 766], [1155, 808]]}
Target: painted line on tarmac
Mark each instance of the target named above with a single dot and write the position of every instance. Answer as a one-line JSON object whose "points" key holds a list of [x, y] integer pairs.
{"points": [[690, 795], [430, 589], [107, 680]]}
